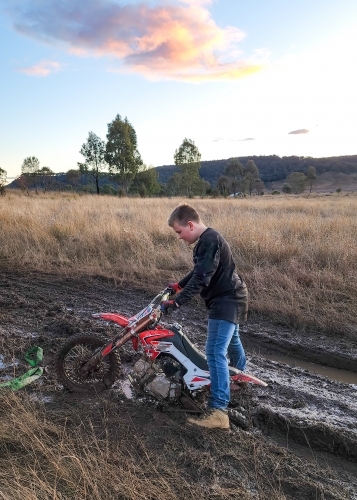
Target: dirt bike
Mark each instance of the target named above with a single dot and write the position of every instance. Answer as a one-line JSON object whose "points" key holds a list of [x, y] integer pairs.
{"points": [[171, 369]]}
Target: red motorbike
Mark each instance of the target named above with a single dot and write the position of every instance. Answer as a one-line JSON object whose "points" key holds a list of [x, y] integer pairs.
{"points": [[171, 369]]}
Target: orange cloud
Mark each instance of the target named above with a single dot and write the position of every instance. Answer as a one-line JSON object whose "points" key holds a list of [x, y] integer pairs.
{"points": [[44, 68], [176, 39]]}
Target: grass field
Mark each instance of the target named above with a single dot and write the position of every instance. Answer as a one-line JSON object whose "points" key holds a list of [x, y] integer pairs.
{"points": [[92, 451], [297, 254]]}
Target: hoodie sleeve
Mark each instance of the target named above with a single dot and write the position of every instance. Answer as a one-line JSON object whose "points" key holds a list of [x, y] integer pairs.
{"points": [[206, 261]]}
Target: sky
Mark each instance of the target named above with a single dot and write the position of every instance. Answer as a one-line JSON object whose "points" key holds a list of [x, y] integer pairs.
{"points": [[238, 77]]}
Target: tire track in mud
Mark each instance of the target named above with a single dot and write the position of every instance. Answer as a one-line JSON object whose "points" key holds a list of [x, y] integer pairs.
{"points": [[306, 408]]}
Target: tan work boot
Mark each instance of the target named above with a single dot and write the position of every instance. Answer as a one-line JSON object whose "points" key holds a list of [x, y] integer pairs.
{"points": [[213, 419]]}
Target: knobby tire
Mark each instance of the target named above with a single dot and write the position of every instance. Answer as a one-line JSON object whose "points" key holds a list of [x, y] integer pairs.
{"points": [[74, 353]]}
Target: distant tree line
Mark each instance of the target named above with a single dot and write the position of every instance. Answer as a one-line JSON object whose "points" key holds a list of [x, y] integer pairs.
{"points": [[271, 168], [115, 166], [109, 167], [296, 181]]}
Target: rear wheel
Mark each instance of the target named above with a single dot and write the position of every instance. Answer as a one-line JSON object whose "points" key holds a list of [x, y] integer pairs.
{"points": [[72, 356]]}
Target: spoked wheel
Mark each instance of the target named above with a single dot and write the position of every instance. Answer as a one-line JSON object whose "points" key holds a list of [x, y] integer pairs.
{"points": [[75, 353]]}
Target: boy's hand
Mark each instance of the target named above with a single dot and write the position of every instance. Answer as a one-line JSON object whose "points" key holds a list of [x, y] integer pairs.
{"points": [[175, 287], [167, 306]]}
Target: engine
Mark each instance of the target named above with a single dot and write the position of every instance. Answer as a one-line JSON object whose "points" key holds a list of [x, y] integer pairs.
{"points": [[162, 378]]}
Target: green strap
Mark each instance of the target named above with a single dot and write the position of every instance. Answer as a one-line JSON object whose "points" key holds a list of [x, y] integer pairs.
{"points": [[33, 357]]}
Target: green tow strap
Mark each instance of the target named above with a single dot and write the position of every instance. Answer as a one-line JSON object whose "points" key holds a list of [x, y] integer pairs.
{"points": [[33, 357]]}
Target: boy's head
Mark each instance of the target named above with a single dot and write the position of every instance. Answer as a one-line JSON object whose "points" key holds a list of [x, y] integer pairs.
{"points": [[186, 223], [182, 214]]}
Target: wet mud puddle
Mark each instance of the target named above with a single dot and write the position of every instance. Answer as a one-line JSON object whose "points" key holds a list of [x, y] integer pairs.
{"points": [[335, 374]]}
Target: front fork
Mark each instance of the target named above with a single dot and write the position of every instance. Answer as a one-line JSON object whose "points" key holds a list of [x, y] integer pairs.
{"points": [[96, 359]]}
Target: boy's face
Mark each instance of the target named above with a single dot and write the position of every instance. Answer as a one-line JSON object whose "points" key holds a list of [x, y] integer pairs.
{"points": [[186, 233]]}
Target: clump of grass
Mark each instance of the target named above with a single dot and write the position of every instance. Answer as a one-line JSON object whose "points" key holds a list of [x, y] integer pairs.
{"points": [[298, 255], [104, 449]]}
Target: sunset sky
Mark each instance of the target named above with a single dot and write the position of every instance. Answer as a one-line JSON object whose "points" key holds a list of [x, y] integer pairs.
{"points": [[239, 77]]}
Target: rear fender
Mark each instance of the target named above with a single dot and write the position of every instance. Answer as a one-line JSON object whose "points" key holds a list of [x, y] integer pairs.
{"points": [[245, 377]]}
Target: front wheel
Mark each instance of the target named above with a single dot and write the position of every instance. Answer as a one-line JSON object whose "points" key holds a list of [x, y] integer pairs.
{"points": [[75, 353]]}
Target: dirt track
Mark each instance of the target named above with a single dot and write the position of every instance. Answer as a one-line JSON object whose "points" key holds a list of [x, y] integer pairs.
{"points": [[311, 416]]}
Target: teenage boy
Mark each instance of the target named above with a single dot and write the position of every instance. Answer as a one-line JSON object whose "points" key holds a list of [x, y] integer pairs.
{"points": [[226, 297]]}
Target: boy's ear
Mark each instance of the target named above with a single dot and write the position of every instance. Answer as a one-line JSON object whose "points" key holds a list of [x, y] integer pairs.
{"points": [[190, 224]]}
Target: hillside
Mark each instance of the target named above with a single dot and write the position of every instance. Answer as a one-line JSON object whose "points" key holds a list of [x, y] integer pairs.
{"points": [[332, 173], [328, 182], [272, 168]]}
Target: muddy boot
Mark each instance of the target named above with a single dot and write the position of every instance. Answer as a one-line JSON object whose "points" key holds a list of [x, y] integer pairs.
{"points": [[212, 419]]}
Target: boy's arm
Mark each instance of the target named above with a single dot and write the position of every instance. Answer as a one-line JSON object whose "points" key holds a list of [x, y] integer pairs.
{"points": [[182, 283], [206, 263]]}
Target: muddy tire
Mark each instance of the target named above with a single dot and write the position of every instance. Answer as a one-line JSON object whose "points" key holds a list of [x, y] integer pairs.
{"points": [[76, 351]]}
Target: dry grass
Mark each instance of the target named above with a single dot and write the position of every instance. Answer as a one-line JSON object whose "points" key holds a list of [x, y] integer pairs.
{"points": [[298, 255], [110, 452]]}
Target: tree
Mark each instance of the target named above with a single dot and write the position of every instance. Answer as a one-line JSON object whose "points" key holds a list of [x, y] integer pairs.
{"points": [[311, 176], [122, 153], [297, 181], [259, 186], [173, 184], [30, 168], [73, 177], [146, 182], [234, 170], [188, 158], [45, 175], [94, 153], [223, 185], [188, 154], [251, 175], [286, 188], [3, 177]]}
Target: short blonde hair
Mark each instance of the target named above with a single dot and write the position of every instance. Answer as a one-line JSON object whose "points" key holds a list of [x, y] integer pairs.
{"points": [[182, 214]]}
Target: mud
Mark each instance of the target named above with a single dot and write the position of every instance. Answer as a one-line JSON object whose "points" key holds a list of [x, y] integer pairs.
{"points": [[304, 414]]}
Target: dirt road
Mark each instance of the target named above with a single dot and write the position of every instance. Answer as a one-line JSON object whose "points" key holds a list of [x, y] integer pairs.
{"points": [[308, 418]]}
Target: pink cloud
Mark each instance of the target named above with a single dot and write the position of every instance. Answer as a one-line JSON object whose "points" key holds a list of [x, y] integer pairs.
{"points": [[175, 39], [43, 68]]}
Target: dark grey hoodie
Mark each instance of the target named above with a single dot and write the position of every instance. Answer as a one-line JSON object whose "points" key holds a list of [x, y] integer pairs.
{"points": [[215, 279]]}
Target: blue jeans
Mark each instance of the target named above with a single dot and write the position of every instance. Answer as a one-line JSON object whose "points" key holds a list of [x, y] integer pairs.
{"points": [[223, 337]]}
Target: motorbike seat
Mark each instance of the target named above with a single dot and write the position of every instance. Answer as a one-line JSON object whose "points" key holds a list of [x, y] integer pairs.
{"points": [[197, 357]]}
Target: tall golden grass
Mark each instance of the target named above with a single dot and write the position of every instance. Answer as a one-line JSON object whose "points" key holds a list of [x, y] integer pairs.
{"points": [[298, 255], [103, 450]]}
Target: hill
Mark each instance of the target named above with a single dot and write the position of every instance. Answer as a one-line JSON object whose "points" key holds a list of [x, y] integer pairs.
{"points": [[332, 173], [272, 168]]}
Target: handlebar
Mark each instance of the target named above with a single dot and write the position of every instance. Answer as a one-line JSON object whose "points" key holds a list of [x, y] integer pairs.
{"points": [[161, 296]]}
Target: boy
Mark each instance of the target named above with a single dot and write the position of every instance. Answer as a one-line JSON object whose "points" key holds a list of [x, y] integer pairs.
{"points": [[226, 298]]}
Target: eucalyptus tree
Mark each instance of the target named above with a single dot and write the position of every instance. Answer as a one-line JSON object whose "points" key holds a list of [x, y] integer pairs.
{"points": [[251, 175], [146, 182], [234, 171], [3, 177], [311, 176], [31, 169], [297, 181], [45, 176], [94, 154], [223, 185], [188, 158], [122, 153]]}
